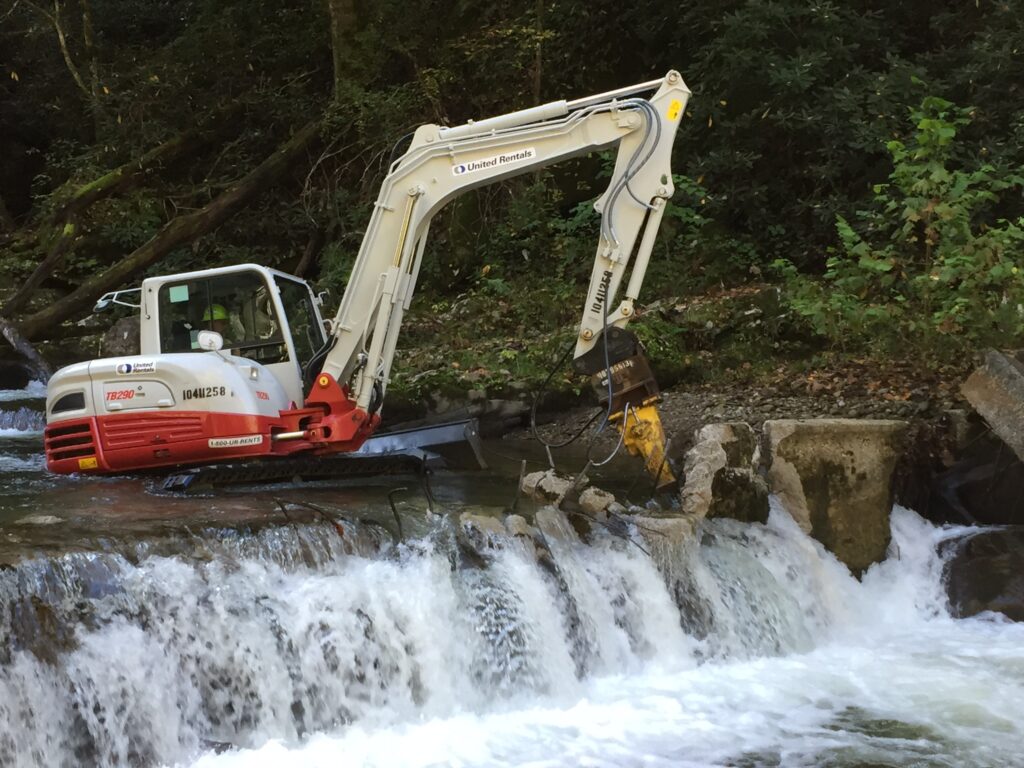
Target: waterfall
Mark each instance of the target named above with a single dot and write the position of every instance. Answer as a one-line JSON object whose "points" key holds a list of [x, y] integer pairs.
{"points": [[22, 420], [159, 653]]}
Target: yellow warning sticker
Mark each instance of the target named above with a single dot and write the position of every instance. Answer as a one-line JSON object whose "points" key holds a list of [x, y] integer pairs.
{"points": [[89, 463], [674, 108]]}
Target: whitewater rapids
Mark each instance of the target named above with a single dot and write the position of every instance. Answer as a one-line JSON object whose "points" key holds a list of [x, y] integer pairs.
{"points": [[755, 648]]}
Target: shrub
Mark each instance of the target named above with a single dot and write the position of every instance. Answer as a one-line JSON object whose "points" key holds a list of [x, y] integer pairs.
{"points": [[934, 258]]}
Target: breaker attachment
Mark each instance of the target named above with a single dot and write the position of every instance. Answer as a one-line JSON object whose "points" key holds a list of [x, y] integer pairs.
{"points": [[634, 398]]}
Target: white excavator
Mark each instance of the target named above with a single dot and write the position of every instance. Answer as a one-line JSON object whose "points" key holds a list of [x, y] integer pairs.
{"points": [[237, 365]]}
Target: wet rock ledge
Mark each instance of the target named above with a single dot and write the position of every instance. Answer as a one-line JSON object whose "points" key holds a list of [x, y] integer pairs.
{"points": [[834, 476]]}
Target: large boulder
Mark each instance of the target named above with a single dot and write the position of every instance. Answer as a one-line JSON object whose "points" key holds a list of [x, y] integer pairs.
{"points": [[996, 390], [987, 574], [834, 476], [479, 537], [721, 478]]}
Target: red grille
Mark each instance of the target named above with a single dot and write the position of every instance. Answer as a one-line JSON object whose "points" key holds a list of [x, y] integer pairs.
{"points": [[70, 442], [147, 429]]}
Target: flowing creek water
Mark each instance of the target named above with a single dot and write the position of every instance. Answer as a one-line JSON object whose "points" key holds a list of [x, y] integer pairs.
{"points": [[221, 631]]}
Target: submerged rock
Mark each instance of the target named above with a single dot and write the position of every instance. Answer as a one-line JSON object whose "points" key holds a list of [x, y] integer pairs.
{"points": [[665, 533], [479, 536], [23, 420], [987, 574], [834, 476], [39, 520]]}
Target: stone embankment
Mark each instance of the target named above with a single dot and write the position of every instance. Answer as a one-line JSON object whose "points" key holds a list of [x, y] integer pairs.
{"points": [[836, 477]]}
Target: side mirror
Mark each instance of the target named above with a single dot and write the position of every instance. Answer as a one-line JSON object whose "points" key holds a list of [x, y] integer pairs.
{"points": [[210, 341], [101, 305]]}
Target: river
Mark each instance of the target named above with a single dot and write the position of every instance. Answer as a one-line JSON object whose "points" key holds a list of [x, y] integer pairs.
{"points": [[223, 631]]}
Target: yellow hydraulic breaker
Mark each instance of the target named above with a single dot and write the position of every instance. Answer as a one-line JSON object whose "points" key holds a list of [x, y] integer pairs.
{"points": [[645, 437], [619, 370]]}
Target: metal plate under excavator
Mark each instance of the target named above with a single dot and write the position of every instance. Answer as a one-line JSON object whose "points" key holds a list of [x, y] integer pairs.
{"points": [[455, 445]]}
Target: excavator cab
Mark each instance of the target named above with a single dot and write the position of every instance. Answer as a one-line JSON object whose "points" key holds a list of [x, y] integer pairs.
{"points": [[260, 314]]}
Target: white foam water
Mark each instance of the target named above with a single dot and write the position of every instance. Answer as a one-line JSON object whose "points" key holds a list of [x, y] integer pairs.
{"points": [[755, 648], [36, 390], [814, 668]]}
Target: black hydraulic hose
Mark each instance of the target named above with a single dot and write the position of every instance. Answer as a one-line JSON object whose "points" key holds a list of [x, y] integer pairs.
{"points": [[551, 374], [316, 363], [394, 149]]}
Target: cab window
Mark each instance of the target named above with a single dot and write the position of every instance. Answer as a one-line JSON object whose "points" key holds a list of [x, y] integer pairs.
{"points": [[238, 306], [307, 333]]}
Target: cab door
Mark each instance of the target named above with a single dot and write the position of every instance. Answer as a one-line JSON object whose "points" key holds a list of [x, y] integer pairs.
{"points": [[304, 321]]}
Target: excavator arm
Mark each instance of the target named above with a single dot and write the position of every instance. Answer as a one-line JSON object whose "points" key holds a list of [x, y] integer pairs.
{"points": [[442, 163]]}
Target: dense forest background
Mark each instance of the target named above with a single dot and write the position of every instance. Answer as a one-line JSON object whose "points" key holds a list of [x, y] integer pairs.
{"points": [[849, 174]]}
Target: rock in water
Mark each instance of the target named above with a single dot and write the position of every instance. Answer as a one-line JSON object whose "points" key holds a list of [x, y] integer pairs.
{"points": [[987, 574], [835, 478], [13, 375], [721, 475]]}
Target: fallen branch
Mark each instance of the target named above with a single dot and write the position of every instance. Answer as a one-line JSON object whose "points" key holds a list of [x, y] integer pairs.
{"points": [[46, 267], [25, 349], [177, 232], [131, 173], [124, 177]]}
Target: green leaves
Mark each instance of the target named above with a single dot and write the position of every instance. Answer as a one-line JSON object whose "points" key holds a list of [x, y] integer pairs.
{"points": [[930, 257]]}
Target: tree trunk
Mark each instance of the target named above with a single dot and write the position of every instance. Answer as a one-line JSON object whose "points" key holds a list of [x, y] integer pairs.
{"points": [[53, 259], [26, 350], [537, 58], [177, 232], [309, 256], [58, 27], [88, 37], [343, 24]]}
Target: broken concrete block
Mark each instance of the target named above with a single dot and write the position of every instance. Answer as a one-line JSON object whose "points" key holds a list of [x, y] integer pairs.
{"points": [[546, 487], [480, 535], [740, 494], [996, 390], [516, 525], [834, 476], [595, 502], [717, 448]]}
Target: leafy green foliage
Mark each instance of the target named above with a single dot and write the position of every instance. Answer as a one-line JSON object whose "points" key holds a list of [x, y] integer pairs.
{"points": [[932, 258]]}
